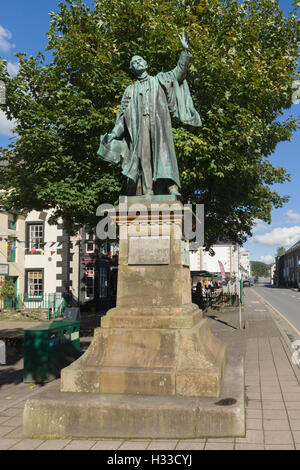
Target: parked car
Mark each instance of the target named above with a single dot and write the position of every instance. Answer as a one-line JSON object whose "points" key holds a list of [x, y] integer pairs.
{"points": [[247, 282]]}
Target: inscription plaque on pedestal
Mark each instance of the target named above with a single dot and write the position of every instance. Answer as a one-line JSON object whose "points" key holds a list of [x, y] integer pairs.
{"points": [[149, 250]]}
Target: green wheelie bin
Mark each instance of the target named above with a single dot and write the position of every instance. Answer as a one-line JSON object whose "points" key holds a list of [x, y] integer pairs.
{"points": [[48, 348]]}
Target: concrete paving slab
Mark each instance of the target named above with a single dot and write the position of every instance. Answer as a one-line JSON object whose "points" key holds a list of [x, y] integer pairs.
{"points": [[54, 444], [15, 421], [5, 430], [254, 405], [253, 414], [220, 446], [252, 437], [273, 405], [292, 405], [295, 424], [274, 414], [112, 444], [249, 447], [196, 444], [296, 436], [276, 425], [7, 444], [278, 437], [255, 424], [134, 445], [162, 445], [279, 447], [27, 444], [80, 444]]}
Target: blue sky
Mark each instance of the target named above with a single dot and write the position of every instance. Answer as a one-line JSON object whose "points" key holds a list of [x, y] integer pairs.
{"points": [[23, 28]]}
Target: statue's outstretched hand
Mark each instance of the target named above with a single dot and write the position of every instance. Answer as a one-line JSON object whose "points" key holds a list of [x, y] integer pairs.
{"points": [[184, 39]]}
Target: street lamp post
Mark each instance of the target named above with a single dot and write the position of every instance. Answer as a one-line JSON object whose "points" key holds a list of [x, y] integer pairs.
{"points": [[240, 289]]}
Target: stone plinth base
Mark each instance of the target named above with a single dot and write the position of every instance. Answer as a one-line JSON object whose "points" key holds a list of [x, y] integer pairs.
{"points": [[159, 351], [66, 414]]}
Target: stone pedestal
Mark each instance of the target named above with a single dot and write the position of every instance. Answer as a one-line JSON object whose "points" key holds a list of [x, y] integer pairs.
{"points": [[154, 356]]}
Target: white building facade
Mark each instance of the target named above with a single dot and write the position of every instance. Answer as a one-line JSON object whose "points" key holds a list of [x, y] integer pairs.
{"points": [[12, 256], [43, 254], [225, 255]]}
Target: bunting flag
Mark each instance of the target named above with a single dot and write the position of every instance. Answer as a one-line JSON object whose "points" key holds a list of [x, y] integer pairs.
{"points": [[42, 252], [4, 246], [32, 251], [14, 248], [52, 253], [222, 269]]}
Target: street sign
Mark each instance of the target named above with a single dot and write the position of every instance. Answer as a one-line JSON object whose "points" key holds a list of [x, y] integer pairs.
{"points": [[72, 314], [4, 269]]}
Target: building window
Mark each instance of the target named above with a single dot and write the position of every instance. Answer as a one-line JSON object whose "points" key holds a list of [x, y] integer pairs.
{"points": [[11, 250], [102, 282], [89, 287], [12, 221], [35, 236], [34, 283], [90, 243]]}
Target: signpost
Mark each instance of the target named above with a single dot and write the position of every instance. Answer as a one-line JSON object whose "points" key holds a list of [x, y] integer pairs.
{"points": [[240, 290]]}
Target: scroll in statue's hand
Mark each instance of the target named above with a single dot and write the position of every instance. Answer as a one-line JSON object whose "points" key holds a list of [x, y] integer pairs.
{"points": [[108, 138]]}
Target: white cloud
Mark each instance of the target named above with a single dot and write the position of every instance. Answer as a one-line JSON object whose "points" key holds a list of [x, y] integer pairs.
{"points": [[268, 259], [259, 226], [12, 68], [5, 40], [293, 215], [282, 236], [6, 126]]}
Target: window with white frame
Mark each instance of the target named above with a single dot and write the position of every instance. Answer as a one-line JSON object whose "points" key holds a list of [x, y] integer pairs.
{"points": [[89, 286], [35, 236], [35, 283], [90, 243]]}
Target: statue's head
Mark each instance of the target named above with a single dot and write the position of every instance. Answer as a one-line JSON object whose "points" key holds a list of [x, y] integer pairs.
{"points": [[138, 65]]}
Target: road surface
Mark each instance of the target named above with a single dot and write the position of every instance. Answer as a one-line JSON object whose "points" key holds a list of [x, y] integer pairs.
{"points": [[286, 301]]}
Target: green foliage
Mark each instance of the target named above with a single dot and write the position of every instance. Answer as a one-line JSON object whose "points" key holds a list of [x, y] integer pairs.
{"points": [[244, 61], [280, 251], [7, 289], [259, 269]]}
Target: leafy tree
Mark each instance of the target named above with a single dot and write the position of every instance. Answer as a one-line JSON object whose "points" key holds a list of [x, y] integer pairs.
{"points": [[244, 61], [7, 289], [280, 251], [259, 268]]}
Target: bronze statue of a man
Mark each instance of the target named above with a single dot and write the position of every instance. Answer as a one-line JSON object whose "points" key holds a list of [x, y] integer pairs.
{"points": [[142, 136]]}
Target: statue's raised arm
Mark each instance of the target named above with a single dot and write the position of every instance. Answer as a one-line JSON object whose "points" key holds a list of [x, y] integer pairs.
{"points": [[185, 57]]}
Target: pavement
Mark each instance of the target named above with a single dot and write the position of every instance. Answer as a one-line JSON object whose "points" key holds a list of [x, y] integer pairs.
{"points": [[272, 387]]}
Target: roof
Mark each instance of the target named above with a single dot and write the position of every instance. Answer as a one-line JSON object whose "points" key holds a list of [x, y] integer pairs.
{"points": [[294, 247]]}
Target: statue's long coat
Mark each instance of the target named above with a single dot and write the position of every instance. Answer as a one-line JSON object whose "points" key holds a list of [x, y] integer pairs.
{"points": [[169, 95]]}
